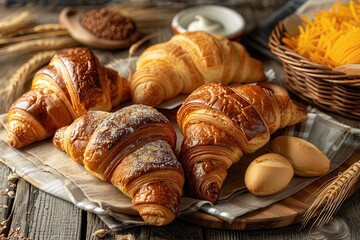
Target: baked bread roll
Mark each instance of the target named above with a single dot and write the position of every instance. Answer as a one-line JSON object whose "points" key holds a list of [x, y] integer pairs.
{"points": [[187, 61], [71, 84], [306, 159], [268, 174], [220, 124], [133, 149]]}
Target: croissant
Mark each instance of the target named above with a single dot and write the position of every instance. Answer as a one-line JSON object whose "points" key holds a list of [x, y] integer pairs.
{"points": [[187, 61], [71, 84], [220, 124], [133, 148]]}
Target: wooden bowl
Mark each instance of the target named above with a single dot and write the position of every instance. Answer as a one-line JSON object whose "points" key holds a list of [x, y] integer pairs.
{"points": [[70, 17]]}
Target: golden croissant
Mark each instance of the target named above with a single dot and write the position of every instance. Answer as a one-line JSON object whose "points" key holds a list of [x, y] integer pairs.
{"points": [[220, 124], [187, 61], [71, 84], [133, 148]]}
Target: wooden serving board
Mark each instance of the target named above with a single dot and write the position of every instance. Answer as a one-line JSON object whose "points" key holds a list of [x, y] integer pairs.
{"points": [[283, 213]]}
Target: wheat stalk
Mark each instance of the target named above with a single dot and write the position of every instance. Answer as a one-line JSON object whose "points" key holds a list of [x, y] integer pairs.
{"points": [[14, 23], [39, 45], [34, 36], [134, 47], [330, 198], [41, 28], [19, 78], [48, 27]]}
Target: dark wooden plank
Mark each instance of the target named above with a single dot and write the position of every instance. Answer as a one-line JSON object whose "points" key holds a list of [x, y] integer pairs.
{"points": [[95, 224], [39, 215], [5, 200], [347, 219], [177, 230], [344, 225], [291, 232], [142, 233]]}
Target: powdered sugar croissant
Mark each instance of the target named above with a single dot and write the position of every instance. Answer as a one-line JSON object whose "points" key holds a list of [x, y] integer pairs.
{"points": [[220, 124], [133, 149], [73, 83], [187, 61]]}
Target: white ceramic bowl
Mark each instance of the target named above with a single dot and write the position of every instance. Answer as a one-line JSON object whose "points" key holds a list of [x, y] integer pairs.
{"points": [[233, 23]]}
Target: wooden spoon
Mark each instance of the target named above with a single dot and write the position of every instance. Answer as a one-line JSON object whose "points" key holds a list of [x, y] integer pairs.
{"points": [[70, 18]]}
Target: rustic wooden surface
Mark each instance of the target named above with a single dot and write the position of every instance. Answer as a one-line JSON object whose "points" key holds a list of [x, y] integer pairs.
{"points": [[33, 214]]}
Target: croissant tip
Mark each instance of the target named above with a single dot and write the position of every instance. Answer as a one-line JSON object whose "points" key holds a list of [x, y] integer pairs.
{"points": [[157, 221], [212, 193], [13, 141], [18, 137], [155, 215]]}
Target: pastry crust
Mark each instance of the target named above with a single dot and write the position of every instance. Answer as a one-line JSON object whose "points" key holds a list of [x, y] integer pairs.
{"points": [[71, 84], [133, 148], [186, 62]]}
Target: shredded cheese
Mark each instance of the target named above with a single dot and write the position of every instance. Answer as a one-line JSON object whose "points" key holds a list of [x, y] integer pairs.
{"points": [[331, 38]]}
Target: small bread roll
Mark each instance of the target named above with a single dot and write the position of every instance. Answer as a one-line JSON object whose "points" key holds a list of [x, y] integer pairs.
{"points": [[268, 174], [306, 159]]}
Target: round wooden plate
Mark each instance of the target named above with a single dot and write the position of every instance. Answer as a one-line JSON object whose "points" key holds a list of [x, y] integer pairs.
{"points": [[283, 213]]}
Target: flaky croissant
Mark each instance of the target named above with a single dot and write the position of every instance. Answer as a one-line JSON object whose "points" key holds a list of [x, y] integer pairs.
{"points": [[187, 61], [220, 124], [71, 84], [133, 149]]}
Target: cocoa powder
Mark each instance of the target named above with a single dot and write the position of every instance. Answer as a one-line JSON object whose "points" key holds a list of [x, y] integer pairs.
{"points": [[107, 24]]}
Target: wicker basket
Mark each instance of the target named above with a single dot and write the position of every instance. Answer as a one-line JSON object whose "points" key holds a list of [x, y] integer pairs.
{"points": [[321, 86]]}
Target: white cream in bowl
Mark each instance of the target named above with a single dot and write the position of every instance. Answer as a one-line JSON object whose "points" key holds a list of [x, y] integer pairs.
{"points": [[211, 18]]}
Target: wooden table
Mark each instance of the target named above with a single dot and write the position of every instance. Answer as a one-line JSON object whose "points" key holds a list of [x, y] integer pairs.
{"points": [[29, 213]]}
